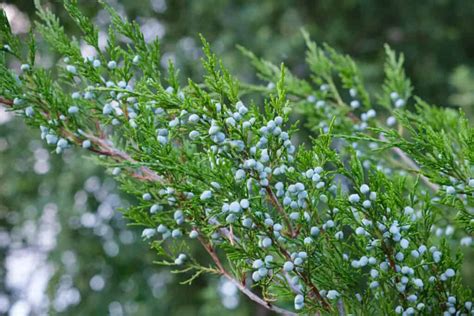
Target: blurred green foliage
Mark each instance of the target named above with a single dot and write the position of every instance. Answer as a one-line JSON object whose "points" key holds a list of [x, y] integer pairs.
{"points": [[438, 41], [435, 36]]}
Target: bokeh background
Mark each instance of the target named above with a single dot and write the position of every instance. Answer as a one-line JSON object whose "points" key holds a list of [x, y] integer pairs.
{"points": [[64, 247]]}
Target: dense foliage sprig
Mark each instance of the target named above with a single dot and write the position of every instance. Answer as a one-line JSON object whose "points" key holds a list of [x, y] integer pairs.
{"points": [[342, 223]]}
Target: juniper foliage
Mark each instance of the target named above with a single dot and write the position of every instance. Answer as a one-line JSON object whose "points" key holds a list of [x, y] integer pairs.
{"points": [[341, 223]]}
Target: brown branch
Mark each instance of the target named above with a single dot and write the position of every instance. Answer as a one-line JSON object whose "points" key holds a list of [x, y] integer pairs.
{"points": [[258, 299], [252, 296], [315, 291], [109, 150], [6, 102], [280, 210]]}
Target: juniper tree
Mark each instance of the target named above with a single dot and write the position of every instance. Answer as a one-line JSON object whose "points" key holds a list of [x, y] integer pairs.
{"points": [[343, 222]]}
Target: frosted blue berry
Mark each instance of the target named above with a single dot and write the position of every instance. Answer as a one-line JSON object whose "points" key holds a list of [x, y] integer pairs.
{"points": [[178, 217], [399, 256], [180, 259], [86, 144], [299, 299], [288, 266], [266, 242], [355, 104], [17, 101], [146, 196], [373, 196], [384, 266], [329, 224], [299, 306], [268, 260], [206, 195], [193, 234], [294, 215], [176, 233], [332, 294], [257, 264], [298, 261], [355, 264], [155, 208], [262, 272], [391, 121], [244, 203], [314, 231], [404, 243], [62, 143], [360, 231], [193, 118], [214, 129], [277, 227], [374, 273], [354, 198], [112, 64], [73, 109], [256, 276], [231, 218], [422, 249], [247, 222], [268, 222], [148, 233], [353, 92], [450, 273], [299, 302], [371, 113], [418, 283], [364, 188], [29, 111], [234, 207], [399, 103], [450, 190], [193, 135], [116, 171], [71, 69], [471, 183], [162, 229], [363, 261], [320, 104]]}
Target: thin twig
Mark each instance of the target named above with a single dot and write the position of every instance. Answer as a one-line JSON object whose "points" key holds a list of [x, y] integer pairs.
{"points": [[411, 164], [254, 297], [258, 299], [6, 102], [280, 209], [148, 174]]}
